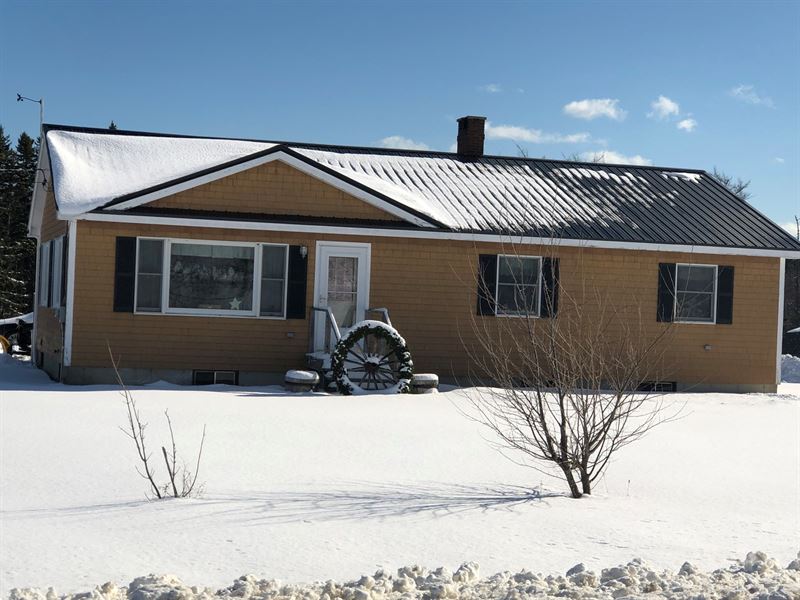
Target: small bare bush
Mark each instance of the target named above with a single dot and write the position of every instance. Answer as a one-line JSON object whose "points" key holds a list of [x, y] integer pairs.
{"points": [[570, 390], [182, 480]]}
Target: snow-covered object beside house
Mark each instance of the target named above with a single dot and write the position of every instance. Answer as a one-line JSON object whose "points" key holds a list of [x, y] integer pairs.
{"points": [[790, 369], [26, 318]]}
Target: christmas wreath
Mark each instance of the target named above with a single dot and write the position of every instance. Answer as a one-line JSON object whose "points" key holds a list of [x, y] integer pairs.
{"points": [[372, 358]]}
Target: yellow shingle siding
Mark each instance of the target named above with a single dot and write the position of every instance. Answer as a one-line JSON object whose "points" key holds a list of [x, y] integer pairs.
{"points": [[276, 189], [429, 287]]}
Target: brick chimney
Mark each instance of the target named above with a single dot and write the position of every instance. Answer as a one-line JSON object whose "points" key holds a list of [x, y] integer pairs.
{"points": [[470, 136]]}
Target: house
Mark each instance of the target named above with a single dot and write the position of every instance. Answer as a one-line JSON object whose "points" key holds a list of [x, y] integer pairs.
{"points": [[202, 259]]}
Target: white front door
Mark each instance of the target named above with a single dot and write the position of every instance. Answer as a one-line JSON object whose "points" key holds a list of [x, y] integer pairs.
{"points": [[341, 283]]}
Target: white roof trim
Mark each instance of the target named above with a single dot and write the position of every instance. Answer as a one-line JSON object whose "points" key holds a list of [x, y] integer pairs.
{"points": [[288, 159], [435, 234], [39, 197]]}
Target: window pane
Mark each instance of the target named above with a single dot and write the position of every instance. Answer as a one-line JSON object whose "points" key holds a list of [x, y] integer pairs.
{"points": [[210, 277], [692, 278], [151, 253], [694, 306], [148, 293], [148, 277], [273, 262], [272, 297], [203, 377], [516, 299], [226, 377], [519, 270], [44, 274]]}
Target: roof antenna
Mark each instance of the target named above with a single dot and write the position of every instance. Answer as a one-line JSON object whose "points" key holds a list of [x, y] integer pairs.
{"points": [[40, 102]]}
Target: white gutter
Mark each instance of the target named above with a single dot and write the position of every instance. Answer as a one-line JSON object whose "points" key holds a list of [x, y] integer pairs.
{"points": [[428, 234]]}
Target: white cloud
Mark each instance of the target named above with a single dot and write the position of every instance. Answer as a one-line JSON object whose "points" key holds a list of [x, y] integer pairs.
{"points": [[403, 143], [663, 108], [687, 125], [492, 88], [748, 95], [609, 156], [592, 108], [533, 136], [790, 226], [779, 160], [454, 147]]}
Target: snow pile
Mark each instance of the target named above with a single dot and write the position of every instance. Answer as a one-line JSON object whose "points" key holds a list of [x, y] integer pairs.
{"points": [[758, 576], [790, 369]]}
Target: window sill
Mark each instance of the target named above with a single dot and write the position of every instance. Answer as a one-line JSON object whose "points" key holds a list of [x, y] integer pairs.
{"points": [[208, 314]]}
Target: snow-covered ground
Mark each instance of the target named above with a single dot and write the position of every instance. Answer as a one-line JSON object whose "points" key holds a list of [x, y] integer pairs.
{"points": [[310, 487]]}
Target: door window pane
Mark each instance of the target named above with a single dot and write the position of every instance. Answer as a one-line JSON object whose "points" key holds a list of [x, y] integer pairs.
{"points": [[148, 275], [343, 288], [211, 277], [273, 280]]}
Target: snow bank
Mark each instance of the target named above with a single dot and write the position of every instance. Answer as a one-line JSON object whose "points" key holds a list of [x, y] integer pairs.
{"points": [[790, 369], [757, 576]]}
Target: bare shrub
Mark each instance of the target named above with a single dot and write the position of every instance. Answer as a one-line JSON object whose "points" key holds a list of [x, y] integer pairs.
{"points": [[182, 480], [569, 390]]}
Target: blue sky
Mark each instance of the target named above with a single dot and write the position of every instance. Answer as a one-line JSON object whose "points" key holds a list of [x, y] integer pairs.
{"points": [[688, 84]]}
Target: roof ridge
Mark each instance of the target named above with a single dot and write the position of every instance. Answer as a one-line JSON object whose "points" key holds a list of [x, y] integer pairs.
{"points": [[46, 127]]}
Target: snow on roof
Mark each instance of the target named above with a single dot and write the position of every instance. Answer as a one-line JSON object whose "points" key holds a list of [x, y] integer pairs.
{"points": [[491, 194], [91, 169]]}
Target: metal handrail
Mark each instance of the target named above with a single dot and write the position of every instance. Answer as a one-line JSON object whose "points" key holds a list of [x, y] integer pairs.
{"points": [[330, 324], [382, 311]]}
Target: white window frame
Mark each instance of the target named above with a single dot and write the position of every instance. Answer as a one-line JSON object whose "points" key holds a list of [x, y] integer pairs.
{"points": [[44, 274], [254, 313], [675, 318], [517, 315]]}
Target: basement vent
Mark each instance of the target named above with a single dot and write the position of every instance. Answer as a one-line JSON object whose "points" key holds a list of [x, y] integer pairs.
{"points": [[658, 386], [212, 377]]}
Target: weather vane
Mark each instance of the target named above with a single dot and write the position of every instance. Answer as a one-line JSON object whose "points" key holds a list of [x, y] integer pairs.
{"points": [[40, 102]]}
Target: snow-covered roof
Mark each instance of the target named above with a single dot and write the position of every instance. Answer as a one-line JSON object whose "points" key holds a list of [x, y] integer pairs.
{"points": [[94, 169], [90, 169]]}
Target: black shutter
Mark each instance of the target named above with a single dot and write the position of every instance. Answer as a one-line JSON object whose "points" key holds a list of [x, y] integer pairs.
{"points": [[487, 284], [666, 292], [125, 274], [64, 263], [296, 284], [549, 291], [724, 295]]}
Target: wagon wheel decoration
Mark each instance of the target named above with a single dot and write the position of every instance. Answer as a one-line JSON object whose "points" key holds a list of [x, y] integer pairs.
{"points": [[372, 358]]}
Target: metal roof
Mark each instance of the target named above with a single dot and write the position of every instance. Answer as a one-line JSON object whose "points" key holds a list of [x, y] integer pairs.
{"points": [[543, 198], [504, 195]]}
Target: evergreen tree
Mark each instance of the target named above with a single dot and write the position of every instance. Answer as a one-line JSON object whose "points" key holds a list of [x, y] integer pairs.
{"points": [[17, 252], [112, 126]]}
